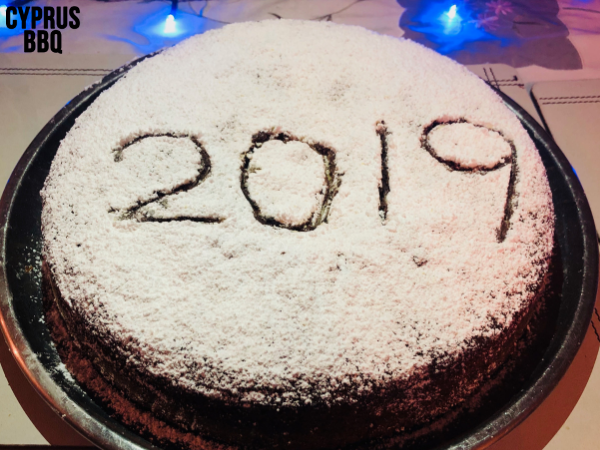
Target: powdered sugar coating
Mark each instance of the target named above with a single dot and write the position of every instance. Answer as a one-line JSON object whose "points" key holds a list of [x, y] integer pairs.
{"points": [[469, 146], [256, 313], [154, 165], [287, 181]]}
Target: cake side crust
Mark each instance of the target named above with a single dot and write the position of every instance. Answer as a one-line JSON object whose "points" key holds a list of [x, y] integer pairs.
{"points": [[389, 412]]}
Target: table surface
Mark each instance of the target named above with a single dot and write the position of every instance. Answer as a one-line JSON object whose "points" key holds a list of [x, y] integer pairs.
{"points": [[542, 51]]}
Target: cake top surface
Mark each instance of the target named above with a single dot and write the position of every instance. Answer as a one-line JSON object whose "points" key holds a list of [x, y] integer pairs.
{"points": [[276, 211]]}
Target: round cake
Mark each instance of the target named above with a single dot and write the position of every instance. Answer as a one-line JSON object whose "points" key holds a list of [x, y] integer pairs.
{"points": [[297, 234]]}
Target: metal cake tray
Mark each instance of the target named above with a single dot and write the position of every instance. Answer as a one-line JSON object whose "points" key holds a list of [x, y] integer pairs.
{"points": [[29, 340]]}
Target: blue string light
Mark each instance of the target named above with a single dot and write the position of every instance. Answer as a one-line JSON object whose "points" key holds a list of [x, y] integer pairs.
{"points": [[159, 31], [170, 25], [3, 16], [7, 33], [452, 21], [452, 12], [447, 24]]}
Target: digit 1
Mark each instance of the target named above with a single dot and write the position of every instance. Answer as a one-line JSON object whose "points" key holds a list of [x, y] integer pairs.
{"points": [[384, 184]]}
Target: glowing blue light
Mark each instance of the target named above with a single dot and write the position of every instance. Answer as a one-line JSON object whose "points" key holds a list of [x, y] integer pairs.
{"points": [[447, 25], [451, 12], [451, 21], [3, 14], [155, 30], [7, 33], [170, 25]]}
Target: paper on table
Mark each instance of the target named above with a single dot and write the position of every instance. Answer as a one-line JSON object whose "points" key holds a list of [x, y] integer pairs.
{"points": [[506, 79], [571, 110]]}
